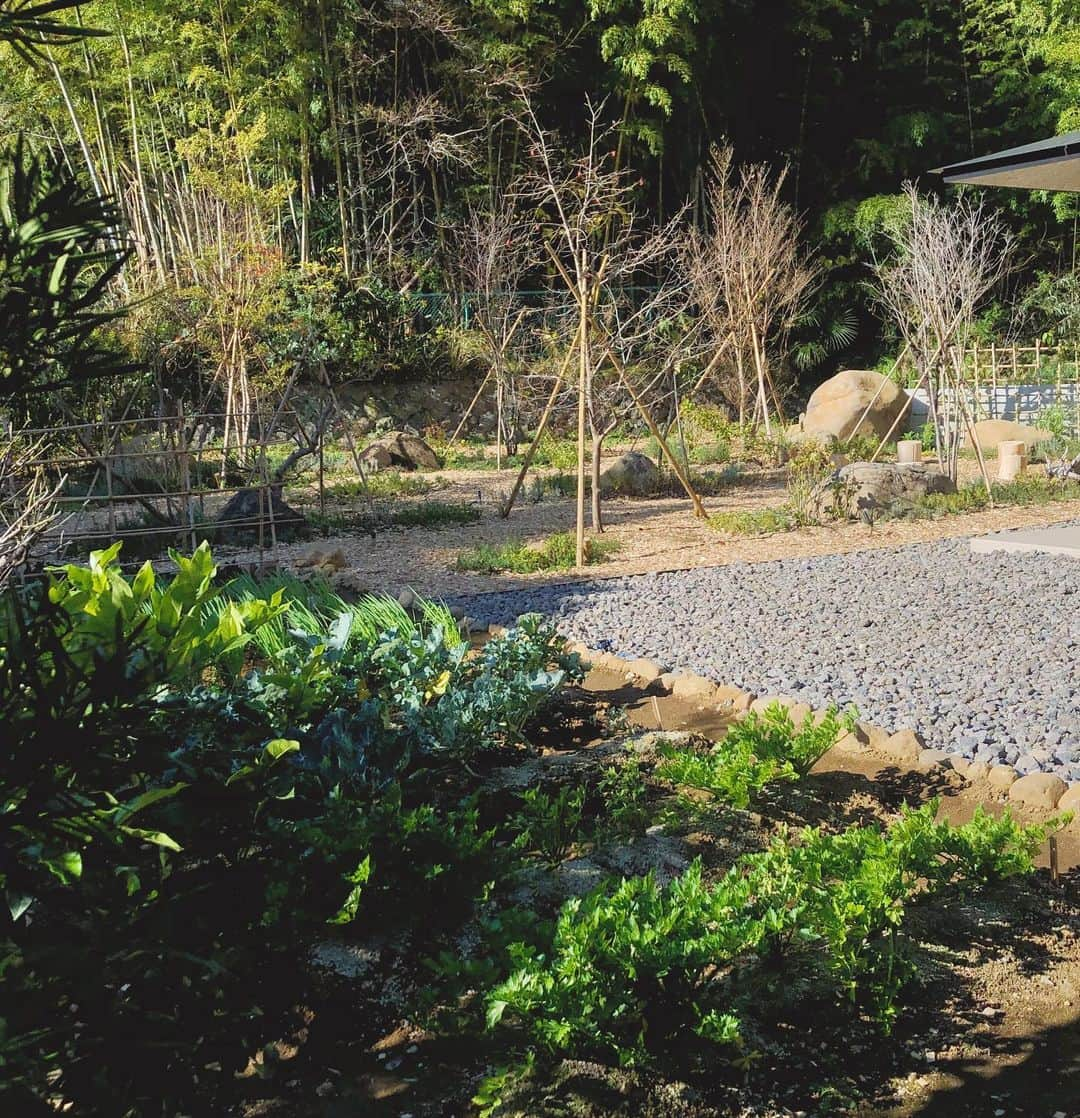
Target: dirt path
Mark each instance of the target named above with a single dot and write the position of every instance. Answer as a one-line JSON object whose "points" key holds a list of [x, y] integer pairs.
{"points": [[654, 535]]}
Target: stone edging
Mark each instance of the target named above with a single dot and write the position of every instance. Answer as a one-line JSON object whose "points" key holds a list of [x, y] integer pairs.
{"points": [[1036, 791]]}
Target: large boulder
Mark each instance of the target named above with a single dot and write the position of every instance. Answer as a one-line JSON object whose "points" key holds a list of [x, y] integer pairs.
{"points": [[861, 487], [399, 448], [854, 402], [990, 432], [631, 475]]}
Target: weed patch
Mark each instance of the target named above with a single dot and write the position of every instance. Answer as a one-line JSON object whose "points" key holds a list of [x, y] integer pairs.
{"points": [[556, 553]]}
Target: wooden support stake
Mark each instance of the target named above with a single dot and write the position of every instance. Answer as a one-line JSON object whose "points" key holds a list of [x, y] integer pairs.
{"points": [[699, 508], [583, 373], [508, 504]]}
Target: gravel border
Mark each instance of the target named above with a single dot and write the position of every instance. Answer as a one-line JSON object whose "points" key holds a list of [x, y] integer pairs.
{"points": [[979, 653]]}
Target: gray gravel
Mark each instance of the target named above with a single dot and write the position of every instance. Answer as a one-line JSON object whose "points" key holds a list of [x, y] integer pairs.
{"points": [[981, 654]]}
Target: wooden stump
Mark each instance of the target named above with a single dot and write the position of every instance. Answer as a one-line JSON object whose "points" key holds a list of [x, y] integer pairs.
{"points": [[1012, 459], [908, 451]]}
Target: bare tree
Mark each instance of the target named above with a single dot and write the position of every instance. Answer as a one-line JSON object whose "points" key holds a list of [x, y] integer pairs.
{"points": [[494, 250], [947, 259], [606, 257], [750, 278]]}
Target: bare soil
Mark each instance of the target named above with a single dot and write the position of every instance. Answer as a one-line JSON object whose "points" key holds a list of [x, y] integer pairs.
{"points": [[656, 534], [990, 1026]]}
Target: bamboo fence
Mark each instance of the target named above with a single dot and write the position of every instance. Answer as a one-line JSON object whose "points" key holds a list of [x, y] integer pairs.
{"points": [[1019, 381], [165, 476]]}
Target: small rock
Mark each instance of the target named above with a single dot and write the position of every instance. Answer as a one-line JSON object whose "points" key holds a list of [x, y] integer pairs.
{"points": [[406, 599], [960, 764], [978, 770]]}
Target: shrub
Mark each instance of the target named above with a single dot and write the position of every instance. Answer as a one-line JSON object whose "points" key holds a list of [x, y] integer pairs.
{"points": [[190, 803]]}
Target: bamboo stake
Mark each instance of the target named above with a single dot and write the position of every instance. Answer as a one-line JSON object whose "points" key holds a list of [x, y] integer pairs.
{"points": [[977, 445], [469, 409], [583, 369]]}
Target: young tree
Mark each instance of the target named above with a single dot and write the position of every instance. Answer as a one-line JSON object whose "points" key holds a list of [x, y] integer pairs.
{"points": [[947, 259], [494, 250], [607, 257], [751, 278]]}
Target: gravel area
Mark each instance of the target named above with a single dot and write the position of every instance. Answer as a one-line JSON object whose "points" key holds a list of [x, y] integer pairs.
{"points": [[981, 654]]}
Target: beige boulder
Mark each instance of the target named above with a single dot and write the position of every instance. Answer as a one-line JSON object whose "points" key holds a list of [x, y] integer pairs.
{"points": [[990, 432], [733, 699], [762, 704], [1070, 801], [646, 670], [1002, 777], [854, 402], [977, 770], [693, 688], [1043, 790], [905, 746], [934, 759]]}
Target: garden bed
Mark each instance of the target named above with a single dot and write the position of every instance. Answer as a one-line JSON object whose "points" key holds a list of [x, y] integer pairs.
{"points": [[273, 852], [990, 1019]]}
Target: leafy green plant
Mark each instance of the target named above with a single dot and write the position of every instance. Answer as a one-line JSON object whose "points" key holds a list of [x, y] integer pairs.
{"points": [[435, 514], [385, 483], [549, 824], [754, 522], [1027, 489], [635, 964], [1055, 419], [623, 795], [756, 751]]}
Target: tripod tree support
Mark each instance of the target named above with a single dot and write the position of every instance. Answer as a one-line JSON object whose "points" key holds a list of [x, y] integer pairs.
{"points": [[680, 473], [549, 407]]}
